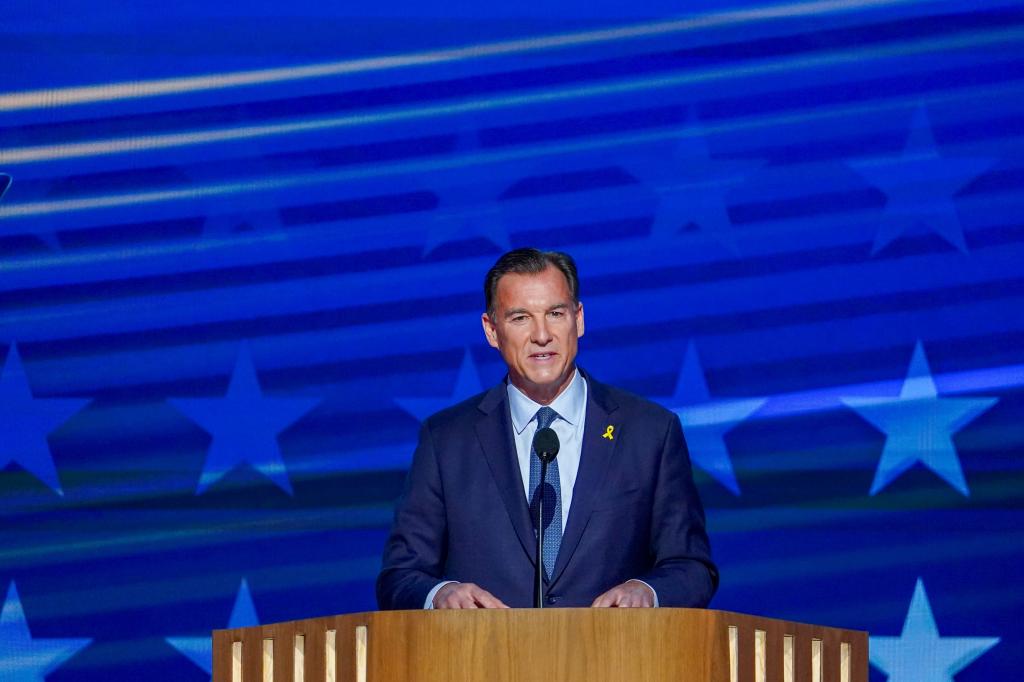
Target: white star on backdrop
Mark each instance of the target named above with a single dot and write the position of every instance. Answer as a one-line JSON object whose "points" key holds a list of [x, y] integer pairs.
{"points": [[919, 654], [22, 658], [919, 426], [705, 421]]}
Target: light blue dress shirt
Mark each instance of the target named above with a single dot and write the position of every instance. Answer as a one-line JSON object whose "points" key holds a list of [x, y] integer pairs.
{"points": [[571, 406]]}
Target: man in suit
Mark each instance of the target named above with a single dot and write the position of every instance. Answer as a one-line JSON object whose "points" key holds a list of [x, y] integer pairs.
{"points": [[627, 526]]}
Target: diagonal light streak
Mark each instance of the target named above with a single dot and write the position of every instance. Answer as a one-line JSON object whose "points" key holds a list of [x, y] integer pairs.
{"points": [[108, 92], [146, 143], [38, 208]]}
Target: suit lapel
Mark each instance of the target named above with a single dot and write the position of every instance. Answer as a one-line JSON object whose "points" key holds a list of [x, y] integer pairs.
{"points": [[494, 429], [595, 456]]}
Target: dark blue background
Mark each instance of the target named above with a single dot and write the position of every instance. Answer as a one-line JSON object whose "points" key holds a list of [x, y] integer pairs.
{"points": [[242, 255]]}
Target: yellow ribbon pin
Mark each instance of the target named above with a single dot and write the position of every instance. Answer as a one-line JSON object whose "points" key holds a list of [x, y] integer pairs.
{"points": [[608, 433]]}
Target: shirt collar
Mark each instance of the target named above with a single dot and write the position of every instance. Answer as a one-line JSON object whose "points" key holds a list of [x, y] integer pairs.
{"points": [[570, 403]]}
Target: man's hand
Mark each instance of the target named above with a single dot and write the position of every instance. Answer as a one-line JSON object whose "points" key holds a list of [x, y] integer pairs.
{"points": [[629, 593], [466, 596]]}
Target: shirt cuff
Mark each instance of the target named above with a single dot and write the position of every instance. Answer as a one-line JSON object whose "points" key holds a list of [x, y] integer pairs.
{"points": [[429, 603], [653, 591]]}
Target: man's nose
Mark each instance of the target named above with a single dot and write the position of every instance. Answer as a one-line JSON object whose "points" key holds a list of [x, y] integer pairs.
{"points": [[541, 333]]}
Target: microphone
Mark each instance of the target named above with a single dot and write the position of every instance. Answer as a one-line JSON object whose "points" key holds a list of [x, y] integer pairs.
{"points": [[546, 445]]}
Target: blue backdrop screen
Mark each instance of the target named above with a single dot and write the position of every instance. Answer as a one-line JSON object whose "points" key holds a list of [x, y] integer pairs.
{"points": [[241, 257]]}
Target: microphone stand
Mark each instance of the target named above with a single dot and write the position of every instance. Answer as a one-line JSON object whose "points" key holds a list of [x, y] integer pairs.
{"points": [[545, 444], [538, 577]]}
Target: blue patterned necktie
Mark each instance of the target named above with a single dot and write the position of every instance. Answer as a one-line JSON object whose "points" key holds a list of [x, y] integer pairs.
{"points": [[552, 496]]}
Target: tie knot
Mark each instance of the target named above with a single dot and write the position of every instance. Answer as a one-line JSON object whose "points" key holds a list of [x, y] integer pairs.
{"points": [[545, 416]]}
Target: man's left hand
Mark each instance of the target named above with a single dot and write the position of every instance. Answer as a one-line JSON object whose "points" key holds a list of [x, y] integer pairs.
{"points": [[629, 593]]}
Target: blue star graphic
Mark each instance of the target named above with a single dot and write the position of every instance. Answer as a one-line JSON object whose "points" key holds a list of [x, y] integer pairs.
{"points": [[199, 650], [22, 658], [691, 186], [27, 421], [920, 186], [919, 426], [244, 425], [919, 654], [705, 421], [467, 211], [473, 209], [257, 209], [467, 384]]}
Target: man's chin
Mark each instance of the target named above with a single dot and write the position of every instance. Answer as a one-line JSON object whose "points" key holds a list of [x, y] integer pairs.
{"points": [[547, 384]]}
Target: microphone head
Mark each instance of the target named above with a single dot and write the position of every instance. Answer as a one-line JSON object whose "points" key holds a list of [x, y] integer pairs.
{"points": [[545, 444]]}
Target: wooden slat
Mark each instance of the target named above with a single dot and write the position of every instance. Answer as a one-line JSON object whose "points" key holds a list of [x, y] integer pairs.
{"points": [[281, 633], [734, 652], [788, 658], [222, 655], [362, 650], [331, 655], [237, 662], [268, 659], [346, 627], [858, 655], [760, 655], [775, 631], [831, 643], [298, 658], [252, 654], [802, 659], [314, 632], [746, 632]]}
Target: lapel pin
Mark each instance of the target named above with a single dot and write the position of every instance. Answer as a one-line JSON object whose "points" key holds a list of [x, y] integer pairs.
{"points": [[608, 433]]}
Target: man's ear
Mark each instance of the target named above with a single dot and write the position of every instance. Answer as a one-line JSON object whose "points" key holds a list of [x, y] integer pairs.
{"points": [[489, 330], [579, 319]]}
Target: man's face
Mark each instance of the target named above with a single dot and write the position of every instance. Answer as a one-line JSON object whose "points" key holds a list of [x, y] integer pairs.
{"points": [[535, 326]]}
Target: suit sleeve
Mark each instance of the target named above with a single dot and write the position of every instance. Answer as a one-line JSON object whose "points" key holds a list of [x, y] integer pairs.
{"points": [[414, 556], [682, 572]]}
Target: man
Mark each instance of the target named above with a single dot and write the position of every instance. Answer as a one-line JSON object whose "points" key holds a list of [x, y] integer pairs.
{"points": [[627, 527]]}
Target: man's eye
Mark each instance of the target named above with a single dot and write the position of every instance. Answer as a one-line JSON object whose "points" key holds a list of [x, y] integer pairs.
{"points": [[519, 318], [557, 313]]}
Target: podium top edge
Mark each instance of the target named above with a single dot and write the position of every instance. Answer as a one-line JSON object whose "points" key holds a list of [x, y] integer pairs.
{"points": [[725, 616]]}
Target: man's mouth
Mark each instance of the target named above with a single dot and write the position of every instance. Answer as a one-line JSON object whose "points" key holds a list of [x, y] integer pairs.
{"points": [[542, 356]]}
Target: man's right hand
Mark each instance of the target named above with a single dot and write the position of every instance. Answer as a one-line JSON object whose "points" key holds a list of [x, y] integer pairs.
{"points": [[466, 596]]}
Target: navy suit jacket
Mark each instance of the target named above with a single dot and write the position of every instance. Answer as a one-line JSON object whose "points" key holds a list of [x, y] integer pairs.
{"points": [[635, 511]]}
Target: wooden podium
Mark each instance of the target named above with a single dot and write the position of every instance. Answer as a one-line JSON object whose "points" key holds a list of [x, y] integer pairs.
{"points": [[548, 645]]}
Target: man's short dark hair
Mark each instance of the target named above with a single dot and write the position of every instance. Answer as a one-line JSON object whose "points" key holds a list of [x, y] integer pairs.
{"points": [[530, 261]]}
